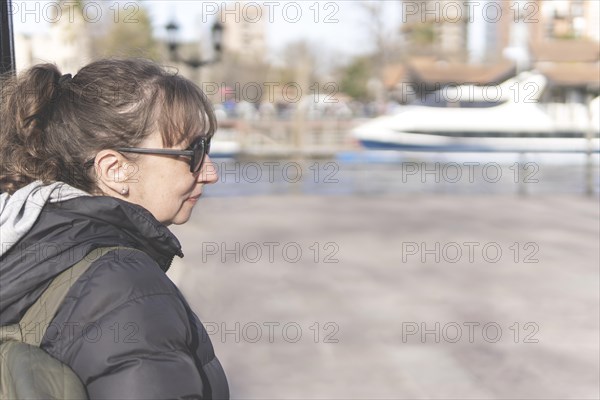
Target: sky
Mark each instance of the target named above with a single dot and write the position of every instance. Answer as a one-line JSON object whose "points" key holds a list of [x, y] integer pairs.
{"points": [[336, 24], [335, 27]]}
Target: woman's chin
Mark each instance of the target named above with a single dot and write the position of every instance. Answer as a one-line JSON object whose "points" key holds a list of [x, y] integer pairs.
{"points": [[182, 216]]}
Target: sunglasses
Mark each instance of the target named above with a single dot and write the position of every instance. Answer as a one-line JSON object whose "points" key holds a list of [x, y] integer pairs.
{"points": [[196, 151]]}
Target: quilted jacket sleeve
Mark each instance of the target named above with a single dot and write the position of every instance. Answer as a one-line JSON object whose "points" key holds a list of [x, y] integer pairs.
{"points": [[125, 330]]}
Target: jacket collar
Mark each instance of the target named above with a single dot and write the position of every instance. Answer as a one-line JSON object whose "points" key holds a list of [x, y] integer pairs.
{"points": [[107, 218], [65, 231]]}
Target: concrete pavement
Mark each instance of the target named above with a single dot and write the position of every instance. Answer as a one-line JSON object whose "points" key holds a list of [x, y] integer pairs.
{"points": [[398, 297]]}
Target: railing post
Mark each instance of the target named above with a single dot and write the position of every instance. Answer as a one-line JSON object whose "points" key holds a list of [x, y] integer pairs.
{"points": [[521, 187], [589, 134]]}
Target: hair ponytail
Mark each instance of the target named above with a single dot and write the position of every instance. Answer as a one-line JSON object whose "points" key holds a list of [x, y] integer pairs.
{"points": [[35, 96], [27, 106]]}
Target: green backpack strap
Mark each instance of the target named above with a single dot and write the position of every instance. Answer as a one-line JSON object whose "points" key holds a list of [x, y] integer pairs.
{"points": [[28, 372], [33, 325]]}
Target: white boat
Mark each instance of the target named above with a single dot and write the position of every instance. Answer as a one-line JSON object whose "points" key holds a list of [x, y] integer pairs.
{"points": [[504, 118], [222, 148]]}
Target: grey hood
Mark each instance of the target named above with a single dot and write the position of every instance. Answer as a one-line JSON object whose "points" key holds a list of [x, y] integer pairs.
{"points": [[19, 212]]}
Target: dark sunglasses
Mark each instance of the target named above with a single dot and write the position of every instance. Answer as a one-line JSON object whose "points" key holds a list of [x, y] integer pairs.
{"points": [[197, 152]]}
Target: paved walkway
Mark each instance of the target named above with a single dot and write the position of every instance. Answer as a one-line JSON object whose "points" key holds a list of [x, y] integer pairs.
{"points": [[404, 297]]}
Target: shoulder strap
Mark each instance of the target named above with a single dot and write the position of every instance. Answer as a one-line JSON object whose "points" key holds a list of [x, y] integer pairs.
{"points": [[36, 320]]}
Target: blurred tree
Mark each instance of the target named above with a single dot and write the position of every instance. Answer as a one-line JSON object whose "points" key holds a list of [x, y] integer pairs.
{"points": [[301, 54], [128, 35], [421, 38], [424, 34], [374, 15], [76, 4], [384, 43], [355, 77], [243, 76], [296, 67]]}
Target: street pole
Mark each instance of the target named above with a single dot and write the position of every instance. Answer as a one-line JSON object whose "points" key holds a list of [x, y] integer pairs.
{"points": [[7, 48]]}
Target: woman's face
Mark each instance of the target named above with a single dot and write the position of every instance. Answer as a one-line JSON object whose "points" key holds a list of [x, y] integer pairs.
{"points": [[164, 185]]}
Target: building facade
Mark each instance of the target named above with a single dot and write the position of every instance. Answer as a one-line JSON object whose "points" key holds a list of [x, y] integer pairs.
{"points": [[67, 42]]}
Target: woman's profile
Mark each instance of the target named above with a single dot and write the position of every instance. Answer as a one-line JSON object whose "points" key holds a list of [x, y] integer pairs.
{"points": [[107, 157]]}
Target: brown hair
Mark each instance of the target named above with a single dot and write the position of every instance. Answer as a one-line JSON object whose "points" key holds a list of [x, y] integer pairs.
{"points": [[52, 124]]}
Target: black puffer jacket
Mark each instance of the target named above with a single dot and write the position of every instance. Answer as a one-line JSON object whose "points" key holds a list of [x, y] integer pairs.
{"points": [[124, 327]]}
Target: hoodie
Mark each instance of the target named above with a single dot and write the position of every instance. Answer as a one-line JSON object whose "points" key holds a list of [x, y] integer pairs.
{"points": [[124, 328], [19, 212]]}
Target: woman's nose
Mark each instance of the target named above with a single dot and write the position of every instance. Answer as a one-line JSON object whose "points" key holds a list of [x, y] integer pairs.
{"points": [[208, 172]]}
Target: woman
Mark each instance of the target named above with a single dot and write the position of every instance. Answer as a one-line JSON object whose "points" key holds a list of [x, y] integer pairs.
{"points": [[108, 157]]}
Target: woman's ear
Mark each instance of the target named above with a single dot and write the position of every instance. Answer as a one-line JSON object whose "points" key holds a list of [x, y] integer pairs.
{"points": [[113, 173]]}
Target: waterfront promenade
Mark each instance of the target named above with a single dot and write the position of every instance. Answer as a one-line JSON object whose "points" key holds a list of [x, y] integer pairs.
{"points": [[398, 297]]}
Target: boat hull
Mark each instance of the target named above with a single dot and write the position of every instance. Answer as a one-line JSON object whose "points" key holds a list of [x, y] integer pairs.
{"points": [[405, 141]]}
